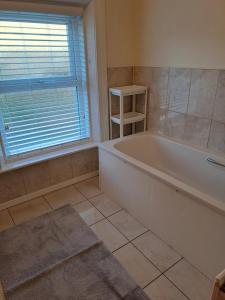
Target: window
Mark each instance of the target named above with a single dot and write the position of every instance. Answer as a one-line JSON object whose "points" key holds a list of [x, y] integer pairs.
{"points": [[43, 93]]}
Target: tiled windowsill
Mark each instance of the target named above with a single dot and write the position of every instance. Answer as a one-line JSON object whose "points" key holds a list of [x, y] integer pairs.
{"points": [[45, 156]]}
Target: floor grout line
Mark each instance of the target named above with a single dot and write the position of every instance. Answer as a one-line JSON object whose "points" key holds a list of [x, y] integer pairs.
{"points": [[173, 265], [128, 241], [153, 280], [148, 259], [139, 236], [120, 247], [176, 286]]}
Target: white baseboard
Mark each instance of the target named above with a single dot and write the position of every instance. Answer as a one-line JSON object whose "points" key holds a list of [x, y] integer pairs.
{"points": [[44, 191]]}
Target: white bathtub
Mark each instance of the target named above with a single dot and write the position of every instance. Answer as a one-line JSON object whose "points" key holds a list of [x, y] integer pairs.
{"points": [[174, 191]]}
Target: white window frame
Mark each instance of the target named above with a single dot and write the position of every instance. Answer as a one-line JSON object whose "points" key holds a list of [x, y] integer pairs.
{"points": [[53, 82], [96, 62]]}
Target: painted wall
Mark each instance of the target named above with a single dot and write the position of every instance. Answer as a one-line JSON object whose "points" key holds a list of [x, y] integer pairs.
{"points": [[41, 7], [120, 36], [180, 33]]}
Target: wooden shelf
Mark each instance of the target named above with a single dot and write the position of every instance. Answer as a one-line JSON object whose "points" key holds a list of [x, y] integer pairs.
{"points": [[128, 118]]}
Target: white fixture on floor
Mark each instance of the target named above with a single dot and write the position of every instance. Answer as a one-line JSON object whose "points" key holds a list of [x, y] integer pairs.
{"points": [[128, 117]]}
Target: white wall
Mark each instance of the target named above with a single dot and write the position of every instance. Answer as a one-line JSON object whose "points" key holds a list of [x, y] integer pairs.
{"points": [[180, 33], [120, 36], [41, 7]]}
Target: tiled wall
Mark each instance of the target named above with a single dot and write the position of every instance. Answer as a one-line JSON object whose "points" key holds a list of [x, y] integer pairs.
{"points": [[120, 77], [30, 179], [186, 104]]}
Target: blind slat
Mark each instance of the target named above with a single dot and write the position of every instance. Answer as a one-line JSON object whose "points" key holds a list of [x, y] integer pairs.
{"points": [[34, 54]]}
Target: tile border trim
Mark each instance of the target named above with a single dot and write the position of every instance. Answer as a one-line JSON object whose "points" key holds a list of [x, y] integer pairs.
{"points": [[47, 190]]}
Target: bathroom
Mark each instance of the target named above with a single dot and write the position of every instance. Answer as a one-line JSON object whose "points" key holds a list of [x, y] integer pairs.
{"points": [[113, 111]]}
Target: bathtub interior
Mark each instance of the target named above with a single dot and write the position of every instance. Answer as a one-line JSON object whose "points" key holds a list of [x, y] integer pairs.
{"points": [[180, 161]]}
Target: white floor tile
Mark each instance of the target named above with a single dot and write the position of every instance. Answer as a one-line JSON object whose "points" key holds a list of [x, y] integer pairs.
{"points": [[68, 195], [127, 225], [163, 289], [89, 188], [157, 251], [106, 206], [190, 281], [112, 238], [139, 267], [88, 212], [29, 210]]}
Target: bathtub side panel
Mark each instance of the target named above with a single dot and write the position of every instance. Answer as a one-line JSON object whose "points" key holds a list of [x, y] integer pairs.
{"points": [[193, 229]]}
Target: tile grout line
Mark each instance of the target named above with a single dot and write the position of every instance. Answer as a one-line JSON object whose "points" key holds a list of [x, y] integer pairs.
{"points": [[120, 247], [129, 241], [173, 265], [120, 231], [213, 111], [147, 258], [49, 205], [74, 185], [10, 214], [134, 219], [153, 280], [163, 274], [176, 286]]}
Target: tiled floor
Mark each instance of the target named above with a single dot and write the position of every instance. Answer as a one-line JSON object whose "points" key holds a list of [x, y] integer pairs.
{"points": [[156, 267]]}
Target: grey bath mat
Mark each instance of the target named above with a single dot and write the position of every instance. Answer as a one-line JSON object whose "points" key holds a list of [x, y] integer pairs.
{"points": [[57, 257]]}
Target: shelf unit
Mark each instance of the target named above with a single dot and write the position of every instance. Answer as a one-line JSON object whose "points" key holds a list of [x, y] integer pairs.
{"points": [[129, 117]]}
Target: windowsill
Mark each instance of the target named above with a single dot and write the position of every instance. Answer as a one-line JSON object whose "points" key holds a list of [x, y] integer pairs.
{"points": [[45, 157]]}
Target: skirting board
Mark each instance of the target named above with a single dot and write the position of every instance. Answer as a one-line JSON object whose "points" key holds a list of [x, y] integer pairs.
{"points": [[50, 189]]}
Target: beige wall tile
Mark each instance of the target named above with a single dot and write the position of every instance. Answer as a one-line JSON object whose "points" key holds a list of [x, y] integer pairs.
{"points": [[60, 169], [84, 162], [11, 185], [217, 137], [120, 76], [143, 76], [159, 89], [197, 130], [219, 111], [5, 220], [68, 195], [157, 120], [175, 125], [29, 210], [179, 89], [203, 92], [192, 92], [138, 266], [36, 177], [14, 184]]}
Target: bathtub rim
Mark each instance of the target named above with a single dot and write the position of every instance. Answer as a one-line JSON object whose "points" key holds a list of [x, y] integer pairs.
{"points": [[178, 185]]}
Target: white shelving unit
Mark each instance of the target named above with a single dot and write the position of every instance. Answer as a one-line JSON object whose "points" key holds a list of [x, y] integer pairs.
{"points": [[128, 117]]}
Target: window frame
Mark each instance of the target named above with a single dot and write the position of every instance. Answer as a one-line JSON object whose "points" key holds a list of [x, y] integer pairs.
{"points": [[41, 83]]}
